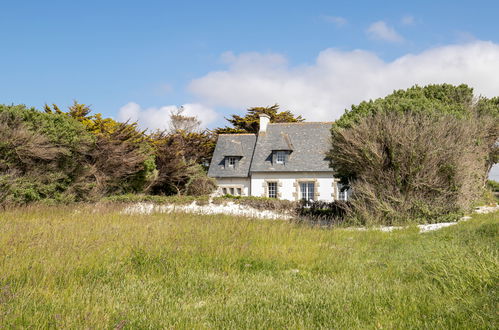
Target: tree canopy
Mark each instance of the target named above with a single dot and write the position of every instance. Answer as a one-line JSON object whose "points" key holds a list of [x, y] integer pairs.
{"points": [[431, 99], [421, 152], [250, 122], [78, 156]]}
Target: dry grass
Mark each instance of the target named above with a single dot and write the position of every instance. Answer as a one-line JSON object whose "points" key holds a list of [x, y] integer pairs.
{"points": [[88, 267]]}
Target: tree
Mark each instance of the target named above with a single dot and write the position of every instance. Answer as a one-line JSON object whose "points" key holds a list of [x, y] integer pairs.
{"points": [[431, 99], [488, 111], [176, 168], [420, 153], [182, 155], [41, 155], [180, 122], [251, 121], [121, 159]]}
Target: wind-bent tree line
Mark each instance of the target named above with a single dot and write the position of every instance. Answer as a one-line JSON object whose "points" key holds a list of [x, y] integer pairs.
{"points": [[74, 155], [420, 153]]}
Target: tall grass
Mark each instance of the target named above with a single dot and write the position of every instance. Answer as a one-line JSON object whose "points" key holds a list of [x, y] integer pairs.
{"points": [[89, 267]]}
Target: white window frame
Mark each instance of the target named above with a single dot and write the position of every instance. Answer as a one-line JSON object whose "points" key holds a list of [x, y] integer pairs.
{"points": [[307, 190], [280, 157], [272, 189], [231, 162], [235, 190], [342, 193]]}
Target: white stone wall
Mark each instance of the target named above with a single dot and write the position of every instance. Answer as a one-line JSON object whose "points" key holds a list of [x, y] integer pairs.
{"points": [[288, 184], [228, 183]]}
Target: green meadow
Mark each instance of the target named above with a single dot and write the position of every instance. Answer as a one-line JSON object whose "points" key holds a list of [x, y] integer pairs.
{"points": [[92, 267]]}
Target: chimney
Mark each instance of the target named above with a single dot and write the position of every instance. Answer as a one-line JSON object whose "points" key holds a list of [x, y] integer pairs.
{"points": [[264, 121]]}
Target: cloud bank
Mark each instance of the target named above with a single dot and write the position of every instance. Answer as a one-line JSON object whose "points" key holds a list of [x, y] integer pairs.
{"points": [[338, 79], [159, 117]]}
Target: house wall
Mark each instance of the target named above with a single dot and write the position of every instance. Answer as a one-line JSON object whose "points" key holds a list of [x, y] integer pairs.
{"points": [[243, 183], [288, 184]]}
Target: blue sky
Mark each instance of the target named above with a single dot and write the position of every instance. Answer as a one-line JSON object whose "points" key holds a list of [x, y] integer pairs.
{"points": [[139, 59]]}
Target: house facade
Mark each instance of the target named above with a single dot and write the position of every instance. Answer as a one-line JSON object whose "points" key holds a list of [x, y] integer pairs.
{"points": [[284, 161]]}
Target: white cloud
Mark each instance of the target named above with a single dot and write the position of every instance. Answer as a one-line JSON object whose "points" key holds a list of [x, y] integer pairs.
{"points": [[159, 118], [338, 79], [381, 31], [408, 20], [336, 20]]}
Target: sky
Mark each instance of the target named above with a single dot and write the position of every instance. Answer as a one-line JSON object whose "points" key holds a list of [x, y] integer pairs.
{"points": [[140, 60]]}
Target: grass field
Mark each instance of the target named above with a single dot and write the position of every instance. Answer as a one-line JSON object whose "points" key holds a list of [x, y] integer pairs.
{"points": [[90, 267]]}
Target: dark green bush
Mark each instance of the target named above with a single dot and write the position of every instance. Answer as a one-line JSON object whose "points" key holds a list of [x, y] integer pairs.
{"points": [[493, 185], [419, 155]]}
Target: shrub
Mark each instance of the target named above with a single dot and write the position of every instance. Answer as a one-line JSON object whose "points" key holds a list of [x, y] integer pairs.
{"points": [[199, 183], [324, 213], [41, 155], [59, 156], [177, 160], [493, 185], [406, 167], [416, 155]]}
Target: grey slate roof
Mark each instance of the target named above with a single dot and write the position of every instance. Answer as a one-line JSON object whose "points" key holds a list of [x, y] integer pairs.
{"points": [[282, 142], [310, 143], [240, 145], [306, 142]]}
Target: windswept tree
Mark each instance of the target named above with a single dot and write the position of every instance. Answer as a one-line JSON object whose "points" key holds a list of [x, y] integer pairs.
{"points": [[41, 155], [182, 155], [422, 153], [250, 122], [121, 158], [180, 122]]}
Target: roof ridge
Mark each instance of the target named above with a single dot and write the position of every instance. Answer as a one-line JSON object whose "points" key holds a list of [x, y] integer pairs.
{"points": [[304, 122]]}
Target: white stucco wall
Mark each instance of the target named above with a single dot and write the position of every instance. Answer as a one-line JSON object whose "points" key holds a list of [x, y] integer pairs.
{"points": [[288, 182], [243, 183]]}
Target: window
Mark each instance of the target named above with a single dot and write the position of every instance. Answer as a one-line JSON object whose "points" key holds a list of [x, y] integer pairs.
{"points": [[342, 192], [232, 191], [239, 191], [272, 189], [231, 162], [224, 191], [307, 191], [280, 157]]}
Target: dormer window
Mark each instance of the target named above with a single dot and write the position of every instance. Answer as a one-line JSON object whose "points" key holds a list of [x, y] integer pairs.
{"points": [[231, 161], [280, 157]]}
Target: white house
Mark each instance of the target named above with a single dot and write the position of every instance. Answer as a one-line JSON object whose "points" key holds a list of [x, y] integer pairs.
{"points": [[284, 160]]}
